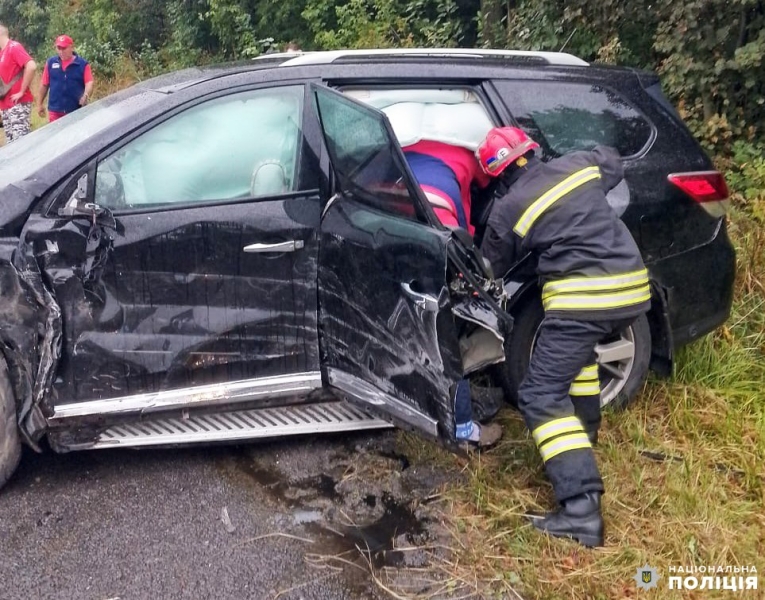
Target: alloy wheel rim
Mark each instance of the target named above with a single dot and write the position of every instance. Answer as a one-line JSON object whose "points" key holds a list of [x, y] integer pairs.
{"points": [[616, 360]]}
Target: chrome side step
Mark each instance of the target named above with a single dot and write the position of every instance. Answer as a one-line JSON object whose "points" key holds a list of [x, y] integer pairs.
{"points": [[231, 392], [301, 419]]}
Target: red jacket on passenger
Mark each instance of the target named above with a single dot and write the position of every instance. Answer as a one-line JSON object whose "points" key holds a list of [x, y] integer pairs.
{"points": [[445, 173]]}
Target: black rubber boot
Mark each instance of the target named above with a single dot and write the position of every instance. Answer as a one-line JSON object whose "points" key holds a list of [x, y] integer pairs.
{"points": [[580, 519]]}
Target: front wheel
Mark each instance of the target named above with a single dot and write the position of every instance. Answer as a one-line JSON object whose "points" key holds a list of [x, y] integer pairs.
{"points": [[623, 359], [10, 445]]}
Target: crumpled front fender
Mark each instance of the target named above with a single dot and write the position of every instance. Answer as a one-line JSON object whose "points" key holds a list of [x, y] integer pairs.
{"points": [[30, 337]]}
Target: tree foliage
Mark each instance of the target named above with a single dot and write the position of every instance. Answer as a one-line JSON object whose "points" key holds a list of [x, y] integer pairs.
{"points": [[708, 52]]}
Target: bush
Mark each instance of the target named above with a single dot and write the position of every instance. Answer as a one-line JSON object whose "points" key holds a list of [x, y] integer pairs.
{"points": [[749, 175]]}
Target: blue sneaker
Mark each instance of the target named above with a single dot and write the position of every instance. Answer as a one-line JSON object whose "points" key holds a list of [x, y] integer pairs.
{"points": [[474, 435]]}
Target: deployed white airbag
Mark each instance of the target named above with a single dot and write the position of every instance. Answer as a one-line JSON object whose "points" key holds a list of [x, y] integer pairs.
{"points": [[458, 124], [451, 116]]}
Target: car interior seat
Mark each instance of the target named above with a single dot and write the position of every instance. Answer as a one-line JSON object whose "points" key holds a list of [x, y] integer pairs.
{"points": [[268, 178], [273, 175]]}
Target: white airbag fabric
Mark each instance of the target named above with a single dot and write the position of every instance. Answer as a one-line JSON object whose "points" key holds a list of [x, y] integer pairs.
{"points": [[458, 124], [382, 98], [452, 116]]}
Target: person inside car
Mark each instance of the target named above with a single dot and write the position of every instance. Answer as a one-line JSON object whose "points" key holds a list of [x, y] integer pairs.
{"points": [[594, 283], [445, 174]]}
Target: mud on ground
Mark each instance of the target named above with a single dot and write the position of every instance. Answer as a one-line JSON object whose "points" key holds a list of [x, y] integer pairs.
{"points": [[365, 507]]}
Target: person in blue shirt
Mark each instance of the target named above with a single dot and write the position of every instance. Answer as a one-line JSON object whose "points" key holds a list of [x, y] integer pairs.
{"points": [[69, 79]]}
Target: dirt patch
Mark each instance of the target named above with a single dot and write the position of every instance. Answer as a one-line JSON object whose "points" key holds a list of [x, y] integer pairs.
{"points": [[372, 512]]}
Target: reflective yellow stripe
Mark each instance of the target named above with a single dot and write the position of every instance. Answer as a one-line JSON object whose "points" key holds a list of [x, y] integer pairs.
{"points": [[563, 444], [556, 427], [594, 284], [597, 301], [588, 373], [587, 383], [546, 200], [584, 389]]}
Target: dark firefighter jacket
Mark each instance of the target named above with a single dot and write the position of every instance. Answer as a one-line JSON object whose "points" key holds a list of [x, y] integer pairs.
{"points": [[587, 261]]}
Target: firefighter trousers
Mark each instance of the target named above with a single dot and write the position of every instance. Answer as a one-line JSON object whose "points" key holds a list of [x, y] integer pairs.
{"points": [[560, 401]]}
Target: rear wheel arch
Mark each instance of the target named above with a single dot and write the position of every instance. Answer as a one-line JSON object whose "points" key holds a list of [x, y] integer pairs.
{"points": [[662, 344]]}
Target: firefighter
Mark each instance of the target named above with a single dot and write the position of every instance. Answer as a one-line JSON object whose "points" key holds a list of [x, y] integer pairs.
{"points": [[593, 283]]}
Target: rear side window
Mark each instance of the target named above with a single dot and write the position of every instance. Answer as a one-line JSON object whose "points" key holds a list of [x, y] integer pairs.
{"points": [[655, 92], [564, 117]]}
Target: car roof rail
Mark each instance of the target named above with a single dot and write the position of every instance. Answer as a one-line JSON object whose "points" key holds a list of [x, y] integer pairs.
{"points": [[331, 56]]}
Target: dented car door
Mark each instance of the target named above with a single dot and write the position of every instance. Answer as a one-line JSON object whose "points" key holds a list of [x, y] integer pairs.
{"points": [[397, 313], [186, 257]]}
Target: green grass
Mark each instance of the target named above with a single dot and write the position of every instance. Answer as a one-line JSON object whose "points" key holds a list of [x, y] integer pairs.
{"points": [[683, 469]]}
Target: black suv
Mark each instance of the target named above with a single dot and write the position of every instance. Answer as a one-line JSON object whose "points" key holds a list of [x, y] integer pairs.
{"points": [[240, 252]]}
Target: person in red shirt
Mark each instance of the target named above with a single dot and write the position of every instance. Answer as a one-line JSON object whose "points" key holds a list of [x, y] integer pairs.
{"points": [[68, 77], [16, 68], [445, 173]]}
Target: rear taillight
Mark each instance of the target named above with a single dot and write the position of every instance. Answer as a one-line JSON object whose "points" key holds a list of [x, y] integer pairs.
{"points": [[708, 188]]}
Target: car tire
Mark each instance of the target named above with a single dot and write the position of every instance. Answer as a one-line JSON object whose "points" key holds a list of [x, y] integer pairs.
{"points": [[10, 444], [626, 355]]}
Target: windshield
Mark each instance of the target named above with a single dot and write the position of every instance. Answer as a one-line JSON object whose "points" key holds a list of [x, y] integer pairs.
{"points": [[28, 154]]}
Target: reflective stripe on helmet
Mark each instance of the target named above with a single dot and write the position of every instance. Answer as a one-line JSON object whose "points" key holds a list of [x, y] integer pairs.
{"points": [[501, 147]]}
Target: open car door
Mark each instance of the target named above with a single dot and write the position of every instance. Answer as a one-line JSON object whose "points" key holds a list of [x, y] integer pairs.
{"points": [[390, 291]]}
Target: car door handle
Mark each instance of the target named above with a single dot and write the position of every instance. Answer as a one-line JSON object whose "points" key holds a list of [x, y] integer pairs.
{"points": [[423, 301], [290, 246]]}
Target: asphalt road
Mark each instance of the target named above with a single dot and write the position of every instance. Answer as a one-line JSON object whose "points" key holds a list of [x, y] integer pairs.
{"points": [[126, 524]]}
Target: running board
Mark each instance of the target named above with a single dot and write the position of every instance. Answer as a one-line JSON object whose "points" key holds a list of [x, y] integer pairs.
{"points": [[240, 425]]}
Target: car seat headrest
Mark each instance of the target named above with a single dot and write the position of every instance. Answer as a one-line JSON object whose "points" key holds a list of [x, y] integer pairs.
{"points": [[268, 178]]}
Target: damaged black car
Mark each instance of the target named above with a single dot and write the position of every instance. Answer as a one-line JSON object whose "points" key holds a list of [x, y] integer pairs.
{"points": [[228, 257], [239, 252]]}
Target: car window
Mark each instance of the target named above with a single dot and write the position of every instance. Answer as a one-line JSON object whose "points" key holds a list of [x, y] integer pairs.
{"points": [[564, 117], [365, 156], [240, 146], [453, 116]]}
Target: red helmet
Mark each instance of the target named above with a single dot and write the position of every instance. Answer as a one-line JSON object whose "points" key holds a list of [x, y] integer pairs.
{"points": [[501, 147]]}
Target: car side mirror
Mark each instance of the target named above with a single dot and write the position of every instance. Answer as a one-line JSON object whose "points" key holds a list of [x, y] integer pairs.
{"points": [[78, 206], [77, 198]]}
